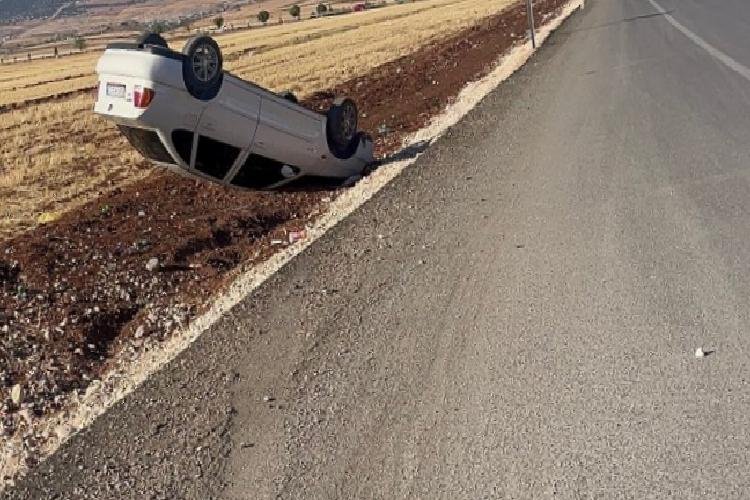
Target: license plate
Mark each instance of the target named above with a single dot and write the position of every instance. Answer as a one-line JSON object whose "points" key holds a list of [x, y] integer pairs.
{"points": [[116, 90]]}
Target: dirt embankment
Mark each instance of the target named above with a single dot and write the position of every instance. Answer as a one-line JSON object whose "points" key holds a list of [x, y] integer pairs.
{"points": [[142, 260]]}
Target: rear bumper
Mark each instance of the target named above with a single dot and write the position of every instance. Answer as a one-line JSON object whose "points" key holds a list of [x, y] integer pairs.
{"points": [[141, 65]]}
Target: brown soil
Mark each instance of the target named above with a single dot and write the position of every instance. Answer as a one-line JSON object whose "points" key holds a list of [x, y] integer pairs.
{"points": [[77, 291]]}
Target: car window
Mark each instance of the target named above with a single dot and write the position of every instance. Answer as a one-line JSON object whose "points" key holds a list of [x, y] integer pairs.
{"points": [[258, 172], [214, 158], [183, 143]]}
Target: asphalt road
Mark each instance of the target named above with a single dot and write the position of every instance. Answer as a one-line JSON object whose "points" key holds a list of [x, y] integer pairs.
{"points": [[514, 317]]}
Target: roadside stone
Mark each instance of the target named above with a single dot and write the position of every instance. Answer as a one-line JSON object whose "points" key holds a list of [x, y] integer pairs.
{"points": [[16, 394], [26, 416], [152, 264]]}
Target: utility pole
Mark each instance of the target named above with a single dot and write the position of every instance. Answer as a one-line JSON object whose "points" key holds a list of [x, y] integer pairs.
{"points": [[530, 16]]}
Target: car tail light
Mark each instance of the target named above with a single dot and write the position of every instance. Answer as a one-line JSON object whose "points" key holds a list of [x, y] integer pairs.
{"points": [[142, 96]]}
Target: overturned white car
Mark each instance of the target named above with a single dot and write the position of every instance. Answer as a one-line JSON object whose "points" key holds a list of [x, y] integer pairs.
{"points": [[184, 112]]}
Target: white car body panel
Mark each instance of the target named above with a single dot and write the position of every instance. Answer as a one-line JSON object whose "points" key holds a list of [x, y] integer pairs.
{"points": [[269, 131]]}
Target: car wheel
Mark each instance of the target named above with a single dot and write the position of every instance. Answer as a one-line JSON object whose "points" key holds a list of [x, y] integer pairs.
{"points": [[341, 128], [152, 39], [289, 96], [202, 67]]}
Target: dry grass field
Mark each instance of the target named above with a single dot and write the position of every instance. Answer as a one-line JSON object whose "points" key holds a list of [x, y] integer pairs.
{"points": [[45, 77], [57, 155]]}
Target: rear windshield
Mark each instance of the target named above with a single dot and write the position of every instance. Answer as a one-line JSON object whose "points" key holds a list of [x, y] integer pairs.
{"points": [[147, 143]]}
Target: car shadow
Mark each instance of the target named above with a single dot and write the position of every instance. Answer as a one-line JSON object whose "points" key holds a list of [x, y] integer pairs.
{"points": [[408, 153], [315, 183]]}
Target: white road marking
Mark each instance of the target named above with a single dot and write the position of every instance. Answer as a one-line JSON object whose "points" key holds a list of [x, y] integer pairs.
{"points": [[732, 64]]}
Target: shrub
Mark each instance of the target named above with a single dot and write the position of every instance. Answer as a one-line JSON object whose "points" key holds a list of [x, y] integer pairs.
{"points": [[264, 16], [157, 27]]}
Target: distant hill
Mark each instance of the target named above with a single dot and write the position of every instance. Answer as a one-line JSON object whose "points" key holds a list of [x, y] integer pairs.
{"points": [[18, 10]]}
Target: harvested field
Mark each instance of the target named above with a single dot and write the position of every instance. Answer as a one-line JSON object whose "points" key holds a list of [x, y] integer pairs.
{"points": [[142, 259], [45, 168], [319, 51]]}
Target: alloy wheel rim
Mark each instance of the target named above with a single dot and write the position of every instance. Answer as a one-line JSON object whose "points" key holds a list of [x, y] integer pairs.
{"points": [[205, 63], [348, 122]]}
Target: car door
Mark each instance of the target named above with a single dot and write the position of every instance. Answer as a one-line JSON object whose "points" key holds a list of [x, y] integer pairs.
{"points": [[226, 128], [287, 133]]}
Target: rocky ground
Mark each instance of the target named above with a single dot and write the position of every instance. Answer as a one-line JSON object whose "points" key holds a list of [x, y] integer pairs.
{"points": [[140, 262]]}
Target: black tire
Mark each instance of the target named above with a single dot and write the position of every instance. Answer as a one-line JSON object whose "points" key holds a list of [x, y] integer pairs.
{"points": [[202, 67], [289, 96], [152, 39], [341, 128]]}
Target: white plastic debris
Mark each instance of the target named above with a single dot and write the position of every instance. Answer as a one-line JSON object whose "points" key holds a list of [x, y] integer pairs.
{"points": [[287, 171], [699, 353], [295, 236]]}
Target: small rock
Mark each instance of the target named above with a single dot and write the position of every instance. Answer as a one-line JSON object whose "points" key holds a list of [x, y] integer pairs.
{"points": [[16, 394], [699, 353], [26, 416], [152, 264], [139, 332], [141, 213]]}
